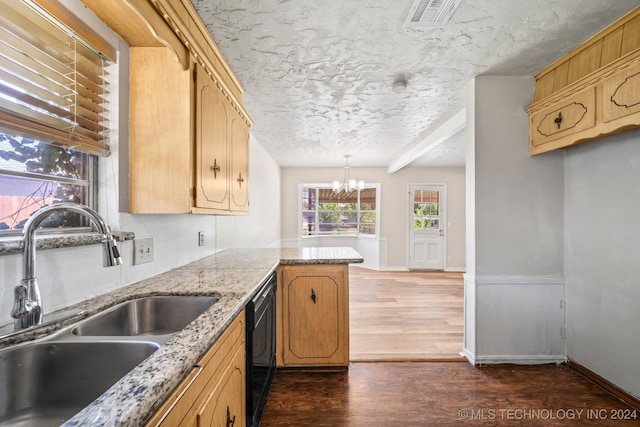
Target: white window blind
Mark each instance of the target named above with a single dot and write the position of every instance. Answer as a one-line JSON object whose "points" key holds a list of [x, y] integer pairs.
{"points": [[53, 82]]}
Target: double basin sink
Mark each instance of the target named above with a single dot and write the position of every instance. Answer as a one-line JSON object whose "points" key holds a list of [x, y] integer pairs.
{"points": [[46, 382]]}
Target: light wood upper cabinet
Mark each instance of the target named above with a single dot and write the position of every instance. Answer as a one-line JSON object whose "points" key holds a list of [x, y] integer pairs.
{"points": [[222, 150], [160, 136], [212, 144], [189, 133], [239, 182], [591, 92], [552, 126], [313, 318], [621, 94]]}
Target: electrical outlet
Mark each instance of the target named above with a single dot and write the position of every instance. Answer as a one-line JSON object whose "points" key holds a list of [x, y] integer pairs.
{"points": [[142, 251], [201, 238]]}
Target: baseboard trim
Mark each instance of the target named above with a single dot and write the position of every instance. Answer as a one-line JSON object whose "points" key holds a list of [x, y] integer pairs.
{"points": [[518, 280], [529, 359], [469, 356], [626, 397], [409, 359], [378, 268]]}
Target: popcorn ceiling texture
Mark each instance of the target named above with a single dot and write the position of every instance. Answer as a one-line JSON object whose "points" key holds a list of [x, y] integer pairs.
{"points": [[318, 75]]}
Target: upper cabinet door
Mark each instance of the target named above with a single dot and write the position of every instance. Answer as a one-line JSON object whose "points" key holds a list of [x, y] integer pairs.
{"points": [[160, 132], [239, 164], [212, 153]]}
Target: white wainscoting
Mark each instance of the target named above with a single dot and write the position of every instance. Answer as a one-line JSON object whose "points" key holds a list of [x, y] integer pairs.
{"points": [[514, 319]]}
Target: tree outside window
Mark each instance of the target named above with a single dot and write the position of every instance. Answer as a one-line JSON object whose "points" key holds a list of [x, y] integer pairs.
{"points": [[34, 174], [331, 213]]}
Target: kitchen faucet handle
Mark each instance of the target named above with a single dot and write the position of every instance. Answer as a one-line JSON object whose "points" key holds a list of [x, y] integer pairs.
{"points": [[20, 307], [24, 307]]}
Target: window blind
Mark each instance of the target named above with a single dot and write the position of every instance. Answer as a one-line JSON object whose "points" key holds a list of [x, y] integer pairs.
{"points": [[53, 83]]}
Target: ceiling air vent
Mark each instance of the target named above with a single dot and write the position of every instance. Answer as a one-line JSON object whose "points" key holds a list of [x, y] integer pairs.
{"points": [[431, 13]]}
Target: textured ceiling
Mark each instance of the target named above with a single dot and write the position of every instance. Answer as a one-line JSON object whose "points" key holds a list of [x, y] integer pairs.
{"points": [[318, 74]]}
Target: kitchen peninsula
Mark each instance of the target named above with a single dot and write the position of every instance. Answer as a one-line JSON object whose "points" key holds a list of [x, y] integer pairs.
{"points": [[234, 276]]}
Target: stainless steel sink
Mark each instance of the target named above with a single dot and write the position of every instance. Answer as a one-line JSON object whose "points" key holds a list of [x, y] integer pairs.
{"points": [[160, 315], [46, 383]]}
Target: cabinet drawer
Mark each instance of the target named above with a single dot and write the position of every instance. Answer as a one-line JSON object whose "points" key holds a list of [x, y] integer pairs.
{"points": [[621, 94], [174, 409], [225, 405], [563, 120], [183, 406]]}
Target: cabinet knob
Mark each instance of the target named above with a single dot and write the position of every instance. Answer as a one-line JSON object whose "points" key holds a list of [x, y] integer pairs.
{"points": [[313, 295], [230, 421], [215, 168], [240, 179], [558, 119]]}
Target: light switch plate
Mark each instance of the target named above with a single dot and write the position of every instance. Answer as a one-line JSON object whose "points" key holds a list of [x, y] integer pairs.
{"points": [[142, 251]]}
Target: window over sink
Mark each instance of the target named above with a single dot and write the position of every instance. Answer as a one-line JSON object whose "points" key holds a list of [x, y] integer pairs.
{"points": [[54, 91]]}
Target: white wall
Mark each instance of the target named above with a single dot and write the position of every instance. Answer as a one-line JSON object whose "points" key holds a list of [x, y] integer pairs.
{"points": [[261, 228], [389, 251], [602, 252], [515, 290], [70, 275]]}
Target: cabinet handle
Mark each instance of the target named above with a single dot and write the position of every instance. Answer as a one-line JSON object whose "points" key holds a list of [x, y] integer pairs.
{"points": [[313, 295], [240, 179], [558, 119], [215, 168], [230, 421]]}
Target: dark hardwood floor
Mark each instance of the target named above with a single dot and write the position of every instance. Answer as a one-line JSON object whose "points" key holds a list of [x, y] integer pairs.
{"points": [[442, 394], [417, 316]]}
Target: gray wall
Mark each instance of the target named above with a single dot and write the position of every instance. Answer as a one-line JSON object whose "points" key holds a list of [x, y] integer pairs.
{"points": [[514, 289], [556, 230], [602, 251], [519, 199]]}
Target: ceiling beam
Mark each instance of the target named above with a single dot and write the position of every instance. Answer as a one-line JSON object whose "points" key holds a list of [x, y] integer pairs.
{"points": [[449, 128]]}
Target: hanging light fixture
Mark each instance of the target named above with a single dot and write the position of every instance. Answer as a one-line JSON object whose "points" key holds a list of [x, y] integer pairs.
{"points": [[348, 184]]}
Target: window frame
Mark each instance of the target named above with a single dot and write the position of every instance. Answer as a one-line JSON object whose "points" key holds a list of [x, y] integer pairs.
{"points": [[92, 192], [73, 16], [358, 212]]}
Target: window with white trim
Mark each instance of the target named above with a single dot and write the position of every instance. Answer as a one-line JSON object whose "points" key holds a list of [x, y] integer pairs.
{"points": [[326, 212], [53, 111]]}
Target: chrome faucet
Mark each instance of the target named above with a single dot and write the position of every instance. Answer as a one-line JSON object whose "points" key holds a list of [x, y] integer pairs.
{"points": [[27, 305]]}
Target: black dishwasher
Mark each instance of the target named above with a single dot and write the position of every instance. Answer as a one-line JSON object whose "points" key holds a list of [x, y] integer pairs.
{"points": [[261, 345]]}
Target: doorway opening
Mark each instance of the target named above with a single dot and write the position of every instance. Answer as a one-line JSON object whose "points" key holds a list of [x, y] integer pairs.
{"points": [[405, 315]]}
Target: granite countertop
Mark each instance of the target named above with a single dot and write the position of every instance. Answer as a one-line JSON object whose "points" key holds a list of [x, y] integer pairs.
{"points": [[234, 275]]}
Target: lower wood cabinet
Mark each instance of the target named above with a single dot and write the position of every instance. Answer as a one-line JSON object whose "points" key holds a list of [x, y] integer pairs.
{"points": [[213, 394], [313, 316]]}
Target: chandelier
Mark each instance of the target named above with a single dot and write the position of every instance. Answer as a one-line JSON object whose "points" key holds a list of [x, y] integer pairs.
{"points": [[348, 184]]}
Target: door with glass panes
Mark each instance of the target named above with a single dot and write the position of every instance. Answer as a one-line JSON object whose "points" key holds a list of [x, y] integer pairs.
{"points": [[427, 226]]}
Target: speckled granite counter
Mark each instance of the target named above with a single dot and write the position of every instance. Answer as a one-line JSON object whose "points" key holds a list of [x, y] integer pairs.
{"points": [[235, 276]]}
